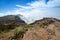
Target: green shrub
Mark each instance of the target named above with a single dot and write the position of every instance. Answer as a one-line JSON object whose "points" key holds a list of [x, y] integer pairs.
{"points": [[19, 30], [18, 33]]}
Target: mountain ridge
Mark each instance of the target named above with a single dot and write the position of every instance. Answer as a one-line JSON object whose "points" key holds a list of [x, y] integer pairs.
{"points": [[43, 29]]}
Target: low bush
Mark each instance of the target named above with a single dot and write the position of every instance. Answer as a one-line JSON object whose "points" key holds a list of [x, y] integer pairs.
{"points": [[18, 33]]}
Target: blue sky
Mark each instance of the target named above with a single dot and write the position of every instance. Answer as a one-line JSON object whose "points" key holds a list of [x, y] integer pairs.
{"points": [[31, 9], [6, 5]]}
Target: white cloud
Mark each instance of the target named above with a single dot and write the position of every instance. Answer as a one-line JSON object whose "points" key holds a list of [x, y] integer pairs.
{"points": [[54, 3], [37, 10]]}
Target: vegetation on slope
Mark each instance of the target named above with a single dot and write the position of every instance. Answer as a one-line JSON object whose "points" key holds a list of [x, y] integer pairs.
{"points": [[44, 23], [19, 32]]}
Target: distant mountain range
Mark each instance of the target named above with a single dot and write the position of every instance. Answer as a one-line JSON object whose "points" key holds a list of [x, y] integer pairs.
{"points": [[11, 19]]}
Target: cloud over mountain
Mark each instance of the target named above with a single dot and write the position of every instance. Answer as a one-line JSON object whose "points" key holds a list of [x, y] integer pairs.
{"points": [[38, 9]]}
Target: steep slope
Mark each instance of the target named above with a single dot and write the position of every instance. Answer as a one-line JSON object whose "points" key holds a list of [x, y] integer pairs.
{"points": [[45, 29]]}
